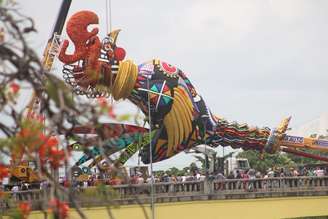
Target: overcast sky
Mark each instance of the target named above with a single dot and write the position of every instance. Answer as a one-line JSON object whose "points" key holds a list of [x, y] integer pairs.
{"points": [[253, 61]]}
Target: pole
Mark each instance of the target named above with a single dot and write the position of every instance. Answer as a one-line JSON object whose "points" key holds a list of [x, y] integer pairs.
{"points": [[56, 31], [61, 17], [151, 158], [48, 60]]}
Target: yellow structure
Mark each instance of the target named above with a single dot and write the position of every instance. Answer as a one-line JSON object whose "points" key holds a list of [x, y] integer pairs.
{"points": [[23, 172], [270, 208]]}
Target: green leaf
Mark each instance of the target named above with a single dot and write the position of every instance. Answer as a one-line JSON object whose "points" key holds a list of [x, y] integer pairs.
{"points": [[56, 87]]}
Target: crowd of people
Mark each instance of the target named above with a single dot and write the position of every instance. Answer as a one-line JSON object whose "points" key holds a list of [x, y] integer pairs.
{"points": [[274, 172], [139, 178], [250, 174]]}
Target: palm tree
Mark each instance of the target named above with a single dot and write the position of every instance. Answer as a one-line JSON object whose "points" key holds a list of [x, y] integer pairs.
{"points": [[216, 160]]}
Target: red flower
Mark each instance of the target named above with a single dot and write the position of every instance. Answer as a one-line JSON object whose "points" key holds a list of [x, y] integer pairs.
{"points": [[49, 151], [34, 116], [14, 87], [61, 207], [30, 138], [44, 150], [4, 172], [52, 141], [56, 157], [25, 209]]}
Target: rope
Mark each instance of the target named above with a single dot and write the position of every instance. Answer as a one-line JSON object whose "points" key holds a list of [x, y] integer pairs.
{"points": [[109, 29], [151, 158]]}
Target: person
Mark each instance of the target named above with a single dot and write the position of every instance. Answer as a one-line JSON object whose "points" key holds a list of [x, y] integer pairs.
{"points": [[166, 179], [15, 190], [148, 180], [85, 184], [319, 172], [232, 185], [25, 188], [251, 175], [183, 178], [258, 176], [310, 173], [220, 184], [174, 179], [238, 176], [140, 179], [44, 185], [183, 185], [245, 178], [231, 175], [303, 171], [270, 173], [134, 179], [197, 176]]}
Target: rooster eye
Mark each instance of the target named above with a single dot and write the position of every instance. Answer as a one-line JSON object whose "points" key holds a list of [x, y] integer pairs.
{"points": [[107, 47]]}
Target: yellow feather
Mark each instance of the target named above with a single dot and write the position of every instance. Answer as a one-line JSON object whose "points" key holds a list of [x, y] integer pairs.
{"points": [[186, 98], [170, 129], [124, 78], [116, 85], [186, 119], [178, 121], [187, 103], [130, 81], [178, 125]]}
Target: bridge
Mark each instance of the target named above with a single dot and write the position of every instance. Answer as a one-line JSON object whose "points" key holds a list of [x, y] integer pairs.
{"points": [[259, 198]]}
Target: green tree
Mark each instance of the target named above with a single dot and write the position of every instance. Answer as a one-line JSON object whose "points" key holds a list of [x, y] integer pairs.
{"points": [[219, 166], [185, 171], [193, 168], [269, 160], [202, 161], [173, 171]]}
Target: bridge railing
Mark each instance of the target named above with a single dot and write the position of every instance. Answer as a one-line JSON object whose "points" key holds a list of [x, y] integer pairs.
{"points": [[192, 190], [268, 185], [169, 188]]}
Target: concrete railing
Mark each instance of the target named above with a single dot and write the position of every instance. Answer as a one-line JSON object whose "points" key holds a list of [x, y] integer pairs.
{"points": [[184, 191]]}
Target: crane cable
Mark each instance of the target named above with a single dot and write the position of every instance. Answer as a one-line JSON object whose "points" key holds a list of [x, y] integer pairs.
{"points": [[152, 191], [108, 30], [108, 16]]}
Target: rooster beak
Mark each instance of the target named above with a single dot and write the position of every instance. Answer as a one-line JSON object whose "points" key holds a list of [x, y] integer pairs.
{"points": [[113, 36]]}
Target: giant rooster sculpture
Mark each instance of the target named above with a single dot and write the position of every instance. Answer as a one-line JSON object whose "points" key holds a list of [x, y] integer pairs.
{"points": [[179, 117]]}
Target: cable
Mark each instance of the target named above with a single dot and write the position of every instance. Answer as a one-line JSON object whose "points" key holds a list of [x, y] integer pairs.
{"points": [[109, 29], [108, 16], [151, 157]]}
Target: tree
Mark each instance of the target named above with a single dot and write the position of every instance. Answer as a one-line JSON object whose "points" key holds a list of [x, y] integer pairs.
{"points": [[202, 161], [193, 168], [30, 131], [269, 160], [219, 162]]}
